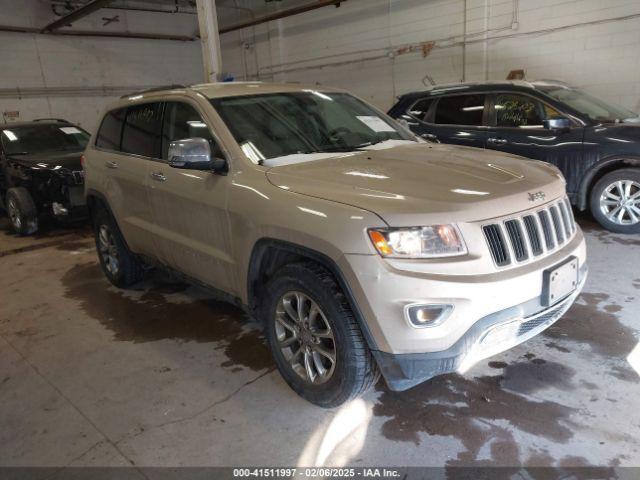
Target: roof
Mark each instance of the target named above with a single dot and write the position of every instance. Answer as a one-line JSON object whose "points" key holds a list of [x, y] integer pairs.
{"points": [[228, 89], [516, 84], [5, 126]]}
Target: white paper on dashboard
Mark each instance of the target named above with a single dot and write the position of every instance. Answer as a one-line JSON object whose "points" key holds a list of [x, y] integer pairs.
{"points": [[70, 130], [375, 123]]}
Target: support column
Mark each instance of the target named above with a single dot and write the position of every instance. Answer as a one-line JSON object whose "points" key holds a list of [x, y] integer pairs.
{"points": [[210, 40]]}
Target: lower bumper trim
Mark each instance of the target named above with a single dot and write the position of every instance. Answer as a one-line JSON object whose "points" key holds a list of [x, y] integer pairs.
{"points": [[515, 325]]}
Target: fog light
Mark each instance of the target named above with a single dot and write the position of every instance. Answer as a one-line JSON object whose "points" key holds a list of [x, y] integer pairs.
{"points": [[58, 209], [430, 315]]}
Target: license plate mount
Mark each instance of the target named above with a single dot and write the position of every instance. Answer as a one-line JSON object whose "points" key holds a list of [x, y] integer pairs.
{"points": [[559, 281]]}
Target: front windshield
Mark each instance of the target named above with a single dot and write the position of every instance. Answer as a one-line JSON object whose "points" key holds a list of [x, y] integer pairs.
{"points": [[594, 108], [43, 138], [275, 125]]}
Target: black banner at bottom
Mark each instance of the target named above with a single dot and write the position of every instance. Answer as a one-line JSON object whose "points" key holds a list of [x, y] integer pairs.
{"points": [[328, 473]]}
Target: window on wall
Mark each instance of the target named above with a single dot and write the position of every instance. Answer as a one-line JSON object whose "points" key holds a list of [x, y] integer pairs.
{"points": [[142, 130], [182, 121], [460, 110], [110, 131], [520, 111]]}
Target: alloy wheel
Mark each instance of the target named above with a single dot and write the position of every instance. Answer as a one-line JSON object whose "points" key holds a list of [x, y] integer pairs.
{"points": [[305, 337], [14, 214], [108, 250], [620, 202]]}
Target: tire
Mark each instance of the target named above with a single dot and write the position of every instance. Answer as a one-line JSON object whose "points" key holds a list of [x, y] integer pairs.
{"points": [[22, 211], [608, 189], [119, 265], [354, 370]]}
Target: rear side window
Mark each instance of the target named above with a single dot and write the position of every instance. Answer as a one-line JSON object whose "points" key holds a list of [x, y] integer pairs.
{"points": [[142, 130], [111, 130], [420, 109], [182, 121], [460, 110]]}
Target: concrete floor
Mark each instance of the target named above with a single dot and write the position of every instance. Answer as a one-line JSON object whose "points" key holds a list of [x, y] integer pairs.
{"points": [[164, 376]]}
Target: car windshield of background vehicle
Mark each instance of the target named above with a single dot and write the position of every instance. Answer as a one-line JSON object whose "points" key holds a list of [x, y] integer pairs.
{"points": [[43, 138], [277, 125], [594, 108]]}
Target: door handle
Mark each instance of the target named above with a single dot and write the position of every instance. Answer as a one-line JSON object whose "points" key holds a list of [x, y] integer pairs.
{"points": [[431, 137], [110, 164], [497, 141], [158, 177]]}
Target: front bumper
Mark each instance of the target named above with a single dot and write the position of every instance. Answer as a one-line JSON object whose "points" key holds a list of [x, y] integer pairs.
{"points": [[490, 335]]}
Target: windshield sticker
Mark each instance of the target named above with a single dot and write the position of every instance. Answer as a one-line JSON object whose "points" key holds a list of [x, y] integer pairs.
{"points": [[376, 124], [70, 130]]}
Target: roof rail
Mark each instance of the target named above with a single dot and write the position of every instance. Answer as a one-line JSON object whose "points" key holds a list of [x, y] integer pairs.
{"points": [[59, 120], [155, 89]]}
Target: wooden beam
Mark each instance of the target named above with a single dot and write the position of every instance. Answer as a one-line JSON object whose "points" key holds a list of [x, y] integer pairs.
{"points": [[77, 14]]}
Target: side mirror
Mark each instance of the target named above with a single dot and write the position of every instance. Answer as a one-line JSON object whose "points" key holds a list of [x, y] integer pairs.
{"points": [[194, 154], [557, 124]]}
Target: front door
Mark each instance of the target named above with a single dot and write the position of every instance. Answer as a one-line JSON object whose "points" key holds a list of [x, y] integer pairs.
{"points": [[518, 128], [190, 206]]}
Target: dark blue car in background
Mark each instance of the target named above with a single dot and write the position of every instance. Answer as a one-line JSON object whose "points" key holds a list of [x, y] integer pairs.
{"points": [[595, 145]]}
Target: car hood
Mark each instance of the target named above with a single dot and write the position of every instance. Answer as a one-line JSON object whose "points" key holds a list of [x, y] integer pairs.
{"points": [[50, 160], [416, 183], [619, 131]]}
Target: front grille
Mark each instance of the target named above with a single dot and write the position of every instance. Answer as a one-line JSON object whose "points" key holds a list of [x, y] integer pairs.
{"points": [[533, 234], [497, 245], [517, 240]]}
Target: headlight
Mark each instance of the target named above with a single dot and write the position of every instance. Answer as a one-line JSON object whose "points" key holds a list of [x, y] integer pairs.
{"points": [[418, 242]]}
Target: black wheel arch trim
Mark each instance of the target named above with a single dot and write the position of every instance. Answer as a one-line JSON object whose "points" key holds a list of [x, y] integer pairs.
{"points": [[103, 199], [264, 244], [588, 178]]}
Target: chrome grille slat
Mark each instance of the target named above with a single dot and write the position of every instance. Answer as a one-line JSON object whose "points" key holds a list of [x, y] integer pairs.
{"points": [[530, 235]]}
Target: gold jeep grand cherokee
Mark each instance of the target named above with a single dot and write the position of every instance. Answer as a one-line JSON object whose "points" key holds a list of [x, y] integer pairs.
{"points": [[361, 249]]}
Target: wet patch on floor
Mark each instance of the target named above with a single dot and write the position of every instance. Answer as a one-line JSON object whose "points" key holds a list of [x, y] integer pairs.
{"points": [[74, 245], [147, 315], [585, 322], [636, 283], [468, 409]]}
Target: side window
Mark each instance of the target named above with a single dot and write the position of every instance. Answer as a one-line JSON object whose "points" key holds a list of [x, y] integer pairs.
{"points": [[519, 111], [420, 109], [142, 130], [460, 110], [110, 131], [182, 121]]}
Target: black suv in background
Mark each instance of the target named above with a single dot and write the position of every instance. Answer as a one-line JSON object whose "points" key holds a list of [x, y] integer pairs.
{"points": [[40, 172], [594, 144]]}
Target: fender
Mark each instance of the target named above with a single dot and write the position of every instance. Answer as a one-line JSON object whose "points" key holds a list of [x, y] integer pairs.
{"points": [[265, 244], [605, 165]]}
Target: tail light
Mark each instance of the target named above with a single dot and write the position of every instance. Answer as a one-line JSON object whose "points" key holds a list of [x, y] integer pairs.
{"points": [[82, 160]]}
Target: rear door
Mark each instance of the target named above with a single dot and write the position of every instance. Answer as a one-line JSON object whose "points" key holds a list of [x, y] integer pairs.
{"points": [[518, 127], [127, 142], [458, 120], [190, 206]]}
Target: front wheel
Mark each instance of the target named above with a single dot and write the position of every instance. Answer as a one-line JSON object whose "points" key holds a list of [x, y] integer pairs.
{"points": [[314, 338], [615, 201], [22, 211]]}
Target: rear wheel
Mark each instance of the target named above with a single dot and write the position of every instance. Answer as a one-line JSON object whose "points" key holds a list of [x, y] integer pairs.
{"points": [[615, 201], [120, 266], [22, 211], [314, 338]]}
